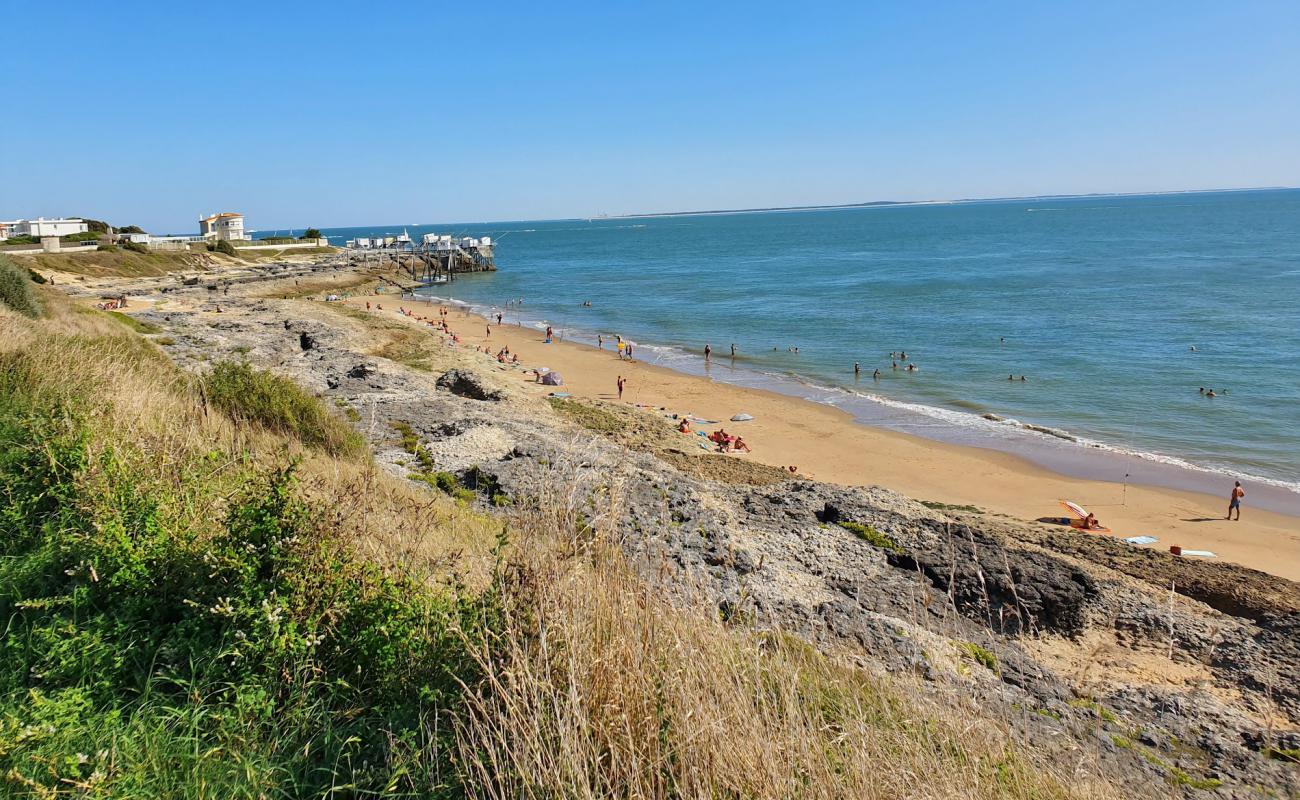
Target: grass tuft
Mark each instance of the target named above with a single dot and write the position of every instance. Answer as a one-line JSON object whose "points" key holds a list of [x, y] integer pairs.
{"points": [[871, 536], [278, 404]]}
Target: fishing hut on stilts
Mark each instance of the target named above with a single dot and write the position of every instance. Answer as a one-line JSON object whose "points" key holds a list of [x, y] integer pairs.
{"points": [[435, 259]]}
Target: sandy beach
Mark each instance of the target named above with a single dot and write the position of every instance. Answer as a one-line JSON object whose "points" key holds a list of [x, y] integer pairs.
{"points": [[827, 444]]}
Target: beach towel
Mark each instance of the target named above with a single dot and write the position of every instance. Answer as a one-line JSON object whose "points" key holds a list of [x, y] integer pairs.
{"points": [[702, 421], [560, 394], [1141, 540], [742, 418], [1202, 553]]}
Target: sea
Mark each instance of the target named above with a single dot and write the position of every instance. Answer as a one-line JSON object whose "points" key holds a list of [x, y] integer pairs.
{"points": [[1120, 312]]}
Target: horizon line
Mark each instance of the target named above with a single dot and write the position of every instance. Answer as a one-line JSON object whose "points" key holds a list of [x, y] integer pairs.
{"points": [[828, 206]]}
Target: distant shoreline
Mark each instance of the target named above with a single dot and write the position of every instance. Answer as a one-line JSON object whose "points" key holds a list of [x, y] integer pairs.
{"points": [[960, 201]]}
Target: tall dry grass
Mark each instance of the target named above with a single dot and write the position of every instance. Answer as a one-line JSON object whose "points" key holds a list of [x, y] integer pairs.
{"points": [[598, 687]]}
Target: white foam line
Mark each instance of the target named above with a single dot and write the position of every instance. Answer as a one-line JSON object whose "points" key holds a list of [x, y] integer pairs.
{"points": [[834, 396]]}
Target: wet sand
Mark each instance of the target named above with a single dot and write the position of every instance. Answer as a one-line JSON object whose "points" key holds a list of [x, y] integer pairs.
{"points": [[827, 444]]}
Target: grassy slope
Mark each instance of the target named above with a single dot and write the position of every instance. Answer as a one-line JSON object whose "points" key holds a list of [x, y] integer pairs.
{"points": [[126, 263], [203, 603]]}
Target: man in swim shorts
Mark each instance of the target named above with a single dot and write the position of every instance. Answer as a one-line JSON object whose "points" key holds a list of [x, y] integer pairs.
{"points": [[1235, 500]]}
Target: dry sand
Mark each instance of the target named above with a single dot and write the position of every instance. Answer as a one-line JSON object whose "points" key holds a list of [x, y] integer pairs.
{"points": [[827, 444]]}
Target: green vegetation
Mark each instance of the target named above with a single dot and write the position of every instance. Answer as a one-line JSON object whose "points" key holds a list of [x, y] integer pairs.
{"points": [[130, 229], [938, 506], [982, 656], [85, 236], [107, 248], [278, 404], [136, 247], [224, 247], [36, 276], [1097, 708], [1283, 754], [445, 482], [1122, 742], [590, 417], [16, 290], [156, 649], [1180, 777], [871, 536], [134, 324], [310, 233], [23, 239]]}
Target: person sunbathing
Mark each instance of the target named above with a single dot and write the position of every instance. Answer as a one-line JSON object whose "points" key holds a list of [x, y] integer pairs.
{"points": [[684, 426], [739, 446]]}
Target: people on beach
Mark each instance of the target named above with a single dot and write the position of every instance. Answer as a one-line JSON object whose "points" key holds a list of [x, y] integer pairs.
{"points": [[1234, 501], [628, 350], [498, 319], [621, 383], [708, 351], [1090, 522], [600, 342], [857, 369], [733, 349], [876, 375], [684, 426]]}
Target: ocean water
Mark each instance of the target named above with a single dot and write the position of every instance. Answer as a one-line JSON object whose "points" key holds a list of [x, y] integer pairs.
{"points": [[1097, 301]]}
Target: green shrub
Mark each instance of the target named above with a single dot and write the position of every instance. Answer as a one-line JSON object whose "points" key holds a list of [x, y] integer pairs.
{"points": [[225, 247], [135, 247], [24, 239], [36, 276], [280, 666], [84, 236], [872, 536], [445, 482], [278, 404], [310, 233], [107, 248], [16, 290]]}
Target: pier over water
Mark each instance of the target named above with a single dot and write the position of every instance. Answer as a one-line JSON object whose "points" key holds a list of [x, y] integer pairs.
{"points": [[436, 258]]}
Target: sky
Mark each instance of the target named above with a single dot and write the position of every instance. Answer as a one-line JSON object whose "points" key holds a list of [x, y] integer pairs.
{"points": [[331, 114]]}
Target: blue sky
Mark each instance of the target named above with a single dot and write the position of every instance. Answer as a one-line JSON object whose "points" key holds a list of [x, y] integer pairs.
{"points": [[337, 114]]}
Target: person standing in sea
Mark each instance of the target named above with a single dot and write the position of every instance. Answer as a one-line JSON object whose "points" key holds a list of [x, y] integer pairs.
{"points": [[1234, 501], [708, 351]]}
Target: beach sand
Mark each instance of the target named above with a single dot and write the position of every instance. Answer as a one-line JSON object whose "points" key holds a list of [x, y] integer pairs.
{"points": [[828, 445]]}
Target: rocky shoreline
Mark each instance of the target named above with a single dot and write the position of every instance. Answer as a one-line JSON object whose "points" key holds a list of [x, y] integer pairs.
{"points": [[1150, 670]]}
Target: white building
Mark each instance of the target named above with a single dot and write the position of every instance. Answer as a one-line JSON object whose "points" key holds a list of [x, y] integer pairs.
{"points": [[45, 227], [226, 226]]}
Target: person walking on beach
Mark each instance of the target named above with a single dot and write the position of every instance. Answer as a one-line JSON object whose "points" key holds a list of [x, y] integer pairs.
{"points": [[600, 342], [708, 351], [498, 319], [1234, 501], [621, 382]]}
